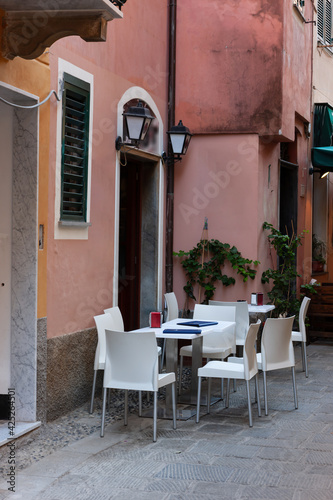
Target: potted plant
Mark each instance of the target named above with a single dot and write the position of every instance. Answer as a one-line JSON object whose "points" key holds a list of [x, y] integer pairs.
{"points": [[318, 252]]}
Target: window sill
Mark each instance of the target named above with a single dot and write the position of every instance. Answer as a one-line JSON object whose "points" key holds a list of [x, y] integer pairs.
{"points": [[328, 50], [320, 273], [72, 223]]}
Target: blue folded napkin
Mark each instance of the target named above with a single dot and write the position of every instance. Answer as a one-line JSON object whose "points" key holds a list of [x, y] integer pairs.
{"points": [[182, 330]]}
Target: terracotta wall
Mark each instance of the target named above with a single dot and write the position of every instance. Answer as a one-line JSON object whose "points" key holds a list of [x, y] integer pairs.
{"points": [[297, 67], [225, 178], [230, 56], [80, 272]]}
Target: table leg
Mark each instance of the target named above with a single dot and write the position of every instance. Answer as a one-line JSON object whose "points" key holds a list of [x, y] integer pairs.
{"points": [[171, 352], [196, 364]]}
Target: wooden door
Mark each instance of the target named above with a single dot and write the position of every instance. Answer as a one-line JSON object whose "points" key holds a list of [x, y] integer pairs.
{"points": [[130, 244]]}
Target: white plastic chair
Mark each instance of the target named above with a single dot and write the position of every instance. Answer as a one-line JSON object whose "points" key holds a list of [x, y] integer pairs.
{"points": [[131, 363], [102, 322], [242, 318], [118, 322], [216, 345], [301, 335], [277, 351], [172, 306], [237, 368], [117, 318]]}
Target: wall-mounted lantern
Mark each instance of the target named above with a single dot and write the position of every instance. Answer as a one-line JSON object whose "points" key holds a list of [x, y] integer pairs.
{"points": [[138, 120], [180, 137]]}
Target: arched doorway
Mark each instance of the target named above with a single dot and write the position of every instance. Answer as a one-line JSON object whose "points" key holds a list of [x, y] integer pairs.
{"points": [[139, 220]]}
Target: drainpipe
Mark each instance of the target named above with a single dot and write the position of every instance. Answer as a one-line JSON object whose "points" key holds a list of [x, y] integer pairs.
{"points": [[170, 163]]}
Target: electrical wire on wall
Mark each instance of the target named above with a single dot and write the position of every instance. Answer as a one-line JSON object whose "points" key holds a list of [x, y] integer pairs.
{"points": [[38, 104]]}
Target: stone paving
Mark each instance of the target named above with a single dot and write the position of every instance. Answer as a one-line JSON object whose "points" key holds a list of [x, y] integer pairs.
{"points": [[286, 455]]}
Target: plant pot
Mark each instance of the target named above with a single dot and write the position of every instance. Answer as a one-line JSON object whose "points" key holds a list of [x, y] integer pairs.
{"points": [[317, 267]]}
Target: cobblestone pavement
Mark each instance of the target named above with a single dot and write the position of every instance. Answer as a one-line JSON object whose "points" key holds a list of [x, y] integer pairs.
{"points": [[286, 455]]}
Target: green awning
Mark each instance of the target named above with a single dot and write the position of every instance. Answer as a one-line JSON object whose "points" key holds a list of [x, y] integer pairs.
{"points": [[323, 125], [322, 158]]}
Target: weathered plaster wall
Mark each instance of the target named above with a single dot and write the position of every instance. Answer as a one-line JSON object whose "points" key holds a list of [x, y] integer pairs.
{"points": [[229, 66], [219, 179], [80, 272], [297, 55]]}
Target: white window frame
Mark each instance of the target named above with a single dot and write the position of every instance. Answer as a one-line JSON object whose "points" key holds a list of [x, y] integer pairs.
{"points": [[299, 4], [72, 230], [326, 39]]}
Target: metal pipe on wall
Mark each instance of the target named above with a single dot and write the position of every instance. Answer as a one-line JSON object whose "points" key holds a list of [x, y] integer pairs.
{"points": [[170, 163]]}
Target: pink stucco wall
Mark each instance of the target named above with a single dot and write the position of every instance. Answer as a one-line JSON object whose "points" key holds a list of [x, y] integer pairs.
{"points": [[80, 272], [242, 85], [230, 56], [225, 178], [297, 67]]}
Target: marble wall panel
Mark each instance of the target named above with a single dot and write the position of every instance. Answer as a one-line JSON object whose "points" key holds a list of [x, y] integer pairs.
{"points": [[24, 263]]}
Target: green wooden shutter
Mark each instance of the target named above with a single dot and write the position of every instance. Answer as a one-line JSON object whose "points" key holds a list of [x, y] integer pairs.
{"points": [[328, 22], [320, 19], [75, 149]]}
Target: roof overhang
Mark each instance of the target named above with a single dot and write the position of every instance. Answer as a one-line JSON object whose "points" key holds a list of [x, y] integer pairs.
{"points": [[31, 26]]}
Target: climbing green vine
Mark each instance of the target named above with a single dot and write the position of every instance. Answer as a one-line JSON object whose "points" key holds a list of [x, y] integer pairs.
{"points": [[204, 266]]}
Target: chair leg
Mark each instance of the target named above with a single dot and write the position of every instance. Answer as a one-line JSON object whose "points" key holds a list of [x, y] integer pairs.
{"points": [[305, 359], [162, 355], [93, 392], [265, 392], [294, 386], [209, 392], [302, 356], [126, 407], [109, 398], [249, 402], [155, 417], [173, 388], [227, 396], [103, 412], [258, 395], [180, 375], [222, 388], [235, 383], [140, 404], [198, 399]]}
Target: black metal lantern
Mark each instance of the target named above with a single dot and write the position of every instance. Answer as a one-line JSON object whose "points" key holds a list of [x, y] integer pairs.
{"points": [[180, 137], [138, 120]]}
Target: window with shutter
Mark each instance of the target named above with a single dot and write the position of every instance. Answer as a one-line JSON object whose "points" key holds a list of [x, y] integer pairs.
{"points": [[320, 19], [299, 4], [328, 22], [75, 144], [324, 22]]}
